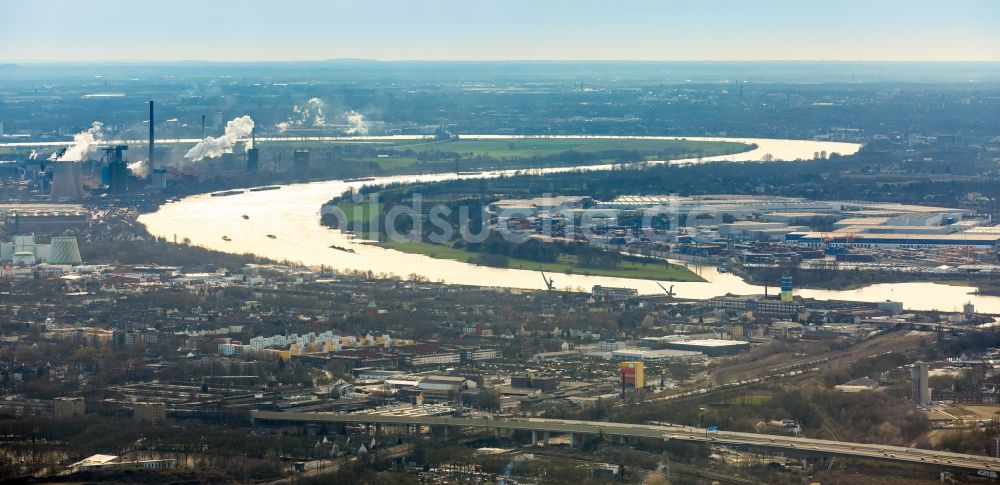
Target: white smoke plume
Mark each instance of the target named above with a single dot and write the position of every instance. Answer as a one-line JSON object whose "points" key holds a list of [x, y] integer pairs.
{"points": [[83, 144], [212, 147], [312, 114], [356, 123], [139, 168]]}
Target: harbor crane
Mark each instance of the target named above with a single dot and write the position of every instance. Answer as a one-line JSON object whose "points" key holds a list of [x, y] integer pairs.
{"points": [[670, 292], [549, 282]]}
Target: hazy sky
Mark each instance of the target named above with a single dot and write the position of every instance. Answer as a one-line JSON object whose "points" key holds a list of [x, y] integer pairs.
{"points": [[225, 30]]}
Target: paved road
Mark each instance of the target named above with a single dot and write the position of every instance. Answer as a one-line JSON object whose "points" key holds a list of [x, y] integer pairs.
{"points": [[801, 446]]}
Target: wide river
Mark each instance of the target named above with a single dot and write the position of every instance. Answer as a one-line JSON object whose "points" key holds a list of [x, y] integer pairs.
{"points": [[292, 214]]}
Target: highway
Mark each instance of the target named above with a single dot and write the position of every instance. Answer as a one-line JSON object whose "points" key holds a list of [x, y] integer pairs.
{"points": [[787, 444]]}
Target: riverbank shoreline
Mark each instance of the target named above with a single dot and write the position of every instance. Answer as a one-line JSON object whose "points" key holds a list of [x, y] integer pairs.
{"points": [[293, 213], [627, 269], [848, 280]]}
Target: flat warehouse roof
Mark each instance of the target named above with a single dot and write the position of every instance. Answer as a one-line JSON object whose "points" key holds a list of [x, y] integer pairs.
{"points": [[958, 237], [711, 343]]}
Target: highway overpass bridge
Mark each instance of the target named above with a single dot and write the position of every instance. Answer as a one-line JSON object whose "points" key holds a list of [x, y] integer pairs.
{"points": [[774, 443]]}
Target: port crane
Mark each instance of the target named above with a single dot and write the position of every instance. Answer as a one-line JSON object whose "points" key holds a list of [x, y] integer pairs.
{"points": [[549, 282], [670, 292]]}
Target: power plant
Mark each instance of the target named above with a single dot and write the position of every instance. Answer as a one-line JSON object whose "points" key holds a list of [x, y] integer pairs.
{"points": [[24, 250], [62, 174]]}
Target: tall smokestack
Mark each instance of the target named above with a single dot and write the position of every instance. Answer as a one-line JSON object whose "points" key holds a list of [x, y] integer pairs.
{"points": [[202, 127], [151, 136]]}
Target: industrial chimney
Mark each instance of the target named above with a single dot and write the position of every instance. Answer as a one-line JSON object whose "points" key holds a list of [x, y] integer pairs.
{"points": [[152, 140]]}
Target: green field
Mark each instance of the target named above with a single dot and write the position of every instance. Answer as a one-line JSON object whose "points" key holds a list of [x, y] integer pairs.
{"points": [[566, 263], [389, 164], [401, 156], [360, 215], [530, 147], [363, 212], [513, 153], [526, 147]]}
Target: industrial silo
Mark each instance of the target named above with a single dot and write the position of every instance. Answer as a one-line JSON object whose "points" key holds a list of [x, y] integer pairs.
{"points": [[64, 250]]}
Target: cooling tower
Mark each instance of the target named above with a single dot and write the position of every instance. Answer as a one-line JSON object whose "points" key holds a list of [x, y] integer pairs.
{"points": [[67, 181], [64, 250]]}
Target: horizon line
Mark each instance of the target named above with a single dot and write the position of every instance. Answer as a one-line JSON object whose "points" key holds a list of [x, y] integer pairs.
{"points": [[4, 62]]}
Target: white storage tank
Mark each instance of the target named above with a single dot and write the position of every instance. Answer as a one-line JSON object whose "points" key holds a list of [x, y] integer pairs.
{"points": [[24, 258]]}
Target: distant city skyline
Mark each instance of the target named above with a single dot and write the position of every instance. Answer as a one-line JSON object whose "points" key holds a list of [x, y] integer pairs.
{"points": [[301, 30]]}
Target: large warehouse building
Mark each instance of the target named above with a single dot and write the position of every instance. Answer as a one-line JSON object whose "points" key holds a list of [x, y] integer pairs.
{"points": [[968, 239], [43, 218], [711, 347]]}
